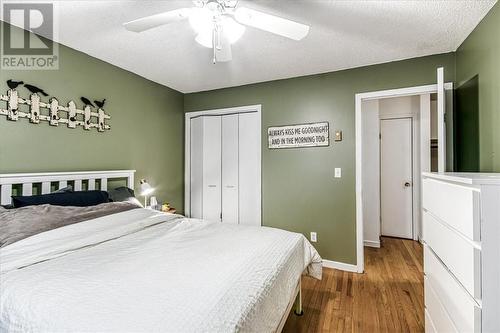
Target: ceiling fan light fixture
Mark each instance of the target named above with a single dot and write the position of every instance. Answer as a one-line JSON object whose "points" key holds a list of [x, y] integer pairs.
{"points": [[201, 19], [200, 3], [230, 4], [230, 29], [220, 23], [205, 39]]}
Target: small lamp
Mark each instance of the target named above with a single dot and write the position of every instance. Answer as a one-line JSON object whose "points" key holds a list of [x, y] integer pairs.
{"points": [[146, 190]]}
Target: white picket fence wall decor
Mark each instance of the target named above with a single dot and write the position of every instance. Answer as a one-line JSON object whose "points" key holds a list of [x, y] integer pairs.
{"points": [[54, 116]]}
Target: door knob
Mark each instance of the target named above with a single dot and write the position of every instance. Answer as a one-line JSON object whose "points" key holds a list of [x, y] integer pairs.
{"points": [[407, 184]]}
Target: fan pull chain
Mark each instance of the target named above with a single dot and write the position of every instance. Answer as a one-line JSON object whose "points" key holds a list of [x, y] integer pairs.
{"points": [[214, 45], [219, 33], [216, 39]]}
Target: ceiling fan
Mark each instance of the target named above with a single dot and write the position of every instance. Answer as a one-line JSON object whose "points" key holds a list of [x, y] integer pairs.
{"points": [[220, 23]]}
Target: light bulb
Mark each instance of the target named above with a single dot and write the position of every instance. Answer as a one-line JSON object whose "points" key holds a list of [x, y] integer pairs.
{"points": [[201, 19], [230, 28], [204, 38]]}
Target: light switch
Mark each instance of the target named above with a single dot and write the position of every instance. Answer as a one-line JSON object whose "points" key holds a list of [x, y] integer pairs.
{"points": [[338, 172]]}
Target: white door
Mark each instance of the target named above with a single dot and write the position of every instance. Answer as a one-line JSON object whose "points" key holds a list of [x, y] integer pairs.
{"points": [[196, 170], [230, 169], [396, 190], [250, 168], [212, 168]]}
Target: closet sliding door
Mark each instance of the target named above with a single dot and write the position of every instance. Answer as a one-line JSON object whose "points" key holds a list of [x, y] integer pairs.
{"points": [[196, 171], [225, 170], [212, 168], [249, 169], [230, 170]]}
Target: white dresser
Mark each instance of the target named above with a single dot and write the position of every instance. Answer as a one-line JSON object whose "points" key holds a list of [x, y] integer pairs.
{"points": [[461, 233]]}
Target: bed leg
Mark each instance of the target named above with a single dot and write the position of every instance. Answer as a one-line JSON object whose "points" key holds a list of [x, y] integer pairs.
{"points": [[298, 302]]}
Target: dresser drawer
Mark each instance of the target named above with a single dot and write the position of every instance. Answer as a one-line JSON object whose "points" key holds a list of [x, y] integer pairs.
{"points": [[459, 255], [460, 306], [456, 205], [438, 319]]}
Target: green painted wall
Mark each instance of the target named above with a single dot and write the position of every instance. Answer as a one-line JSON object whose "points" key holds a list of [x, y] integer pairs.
{"points": [[480, 55], [147, 132], [299, 190], [466, 127], [147, 126]]}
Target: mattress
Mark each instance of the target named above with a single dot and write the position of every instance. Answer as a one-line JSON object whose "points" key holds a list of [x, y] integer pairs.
{"points": [[146, 271]]}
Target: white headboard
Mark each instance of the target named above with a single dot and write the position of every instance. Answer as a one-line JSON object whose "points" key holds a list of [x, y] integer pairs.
{"points": [[27, 180]]}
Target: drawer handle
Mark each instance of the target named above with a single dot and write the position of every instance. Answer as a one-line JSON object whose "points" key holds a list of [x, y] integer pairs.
{"points": [[230, 186], [212, 185]]}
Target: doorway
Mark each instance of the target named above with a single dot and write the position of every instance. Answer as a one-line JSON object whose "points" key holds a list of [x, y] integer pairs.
{"points": [[401, 125], [396, 177], [367, 126]]}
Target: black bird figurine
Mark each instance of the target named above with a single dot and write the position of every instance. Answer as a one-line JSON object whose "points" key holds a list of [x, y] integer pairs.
{"points": [[100, 104], [86, 101], [14, 84], [35, 90]]}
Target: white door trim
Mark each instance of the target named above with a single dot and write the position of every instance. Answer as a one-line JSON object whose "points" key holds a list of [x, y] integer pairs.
{"points": [[359, 98], [440, 120], [187, 145]]}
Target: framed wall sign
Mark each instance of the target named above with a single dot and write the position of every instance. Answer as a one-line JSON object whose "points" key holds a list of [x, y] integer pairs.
{"points": [[298, 136]]}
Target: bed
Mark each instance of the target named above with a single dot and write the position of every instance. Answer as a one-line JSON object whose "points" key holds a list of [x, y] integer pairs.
{"points": [[140, 270]]}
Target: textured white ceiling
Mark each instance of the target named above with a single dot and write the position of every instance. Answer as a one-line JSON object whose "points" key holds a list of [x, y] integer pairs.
{"points": [[344, 34]]}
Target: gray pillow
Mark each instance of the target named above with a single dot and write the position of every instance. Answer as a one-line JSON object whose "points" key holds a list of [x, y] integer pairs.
{"points": [[122, 193], [68, 188]]}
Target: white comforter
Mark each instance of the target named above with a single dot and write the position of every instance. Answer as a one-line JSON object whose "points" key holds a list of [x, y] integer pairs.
{"points": [[144, 271]]}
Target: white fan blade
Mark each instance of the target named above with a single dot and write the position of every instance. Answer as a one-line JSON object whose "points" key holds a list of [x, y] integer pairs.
{"points": [[271, 23], [224, 54], [153, 21]]}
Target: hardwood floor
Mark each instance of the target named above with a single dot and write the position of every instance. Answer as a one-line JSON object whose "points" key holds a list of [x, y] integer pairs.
{"points": [[388, 297]]}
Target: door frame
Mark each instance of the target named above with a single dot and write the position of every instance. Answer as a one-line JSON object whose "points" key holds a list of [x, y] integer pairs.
{"points": [[187, 146], [414, 161], [359, 98]]}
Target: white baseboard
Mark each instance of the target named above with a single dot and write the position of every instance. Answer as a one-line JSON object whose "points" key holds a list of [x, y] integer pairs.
{"points": [[340, 265], [370, 243]]}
